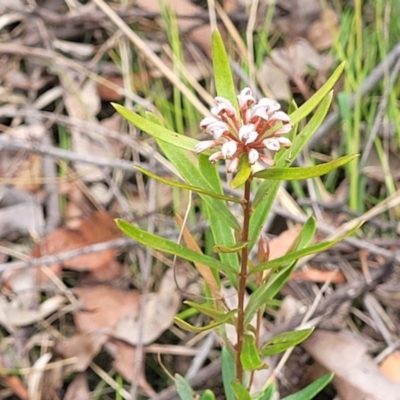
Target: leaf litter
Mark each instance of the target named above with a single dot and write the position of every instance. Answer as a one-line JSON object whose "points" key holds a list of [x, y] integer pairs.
{"points": [[70, 63]]}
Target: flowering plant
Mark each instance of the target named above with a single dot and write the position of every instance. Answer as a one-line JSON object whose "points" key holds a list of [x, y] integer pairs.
{"points": [[244, 132]]}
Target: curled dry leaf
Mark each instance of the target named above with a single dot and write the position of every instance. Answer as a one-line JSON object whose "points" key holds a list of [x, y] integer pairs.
{"points": [[124, 362], [97, 229], [83, 346], [78, 389], [357, 377]]}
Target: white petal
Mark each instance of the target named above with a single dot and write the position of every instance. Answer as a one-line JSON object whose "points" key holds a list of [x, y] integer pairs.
{"points": [[253, 156], [217, 129], [222, 105], [245, 131], [253, 135], [245, 98], [205, 145], [266, 160], [284, 129], [228, 149], [207, 121], [215, 157], [284, 142], [232, 167], [271, 144], [280, 116]]}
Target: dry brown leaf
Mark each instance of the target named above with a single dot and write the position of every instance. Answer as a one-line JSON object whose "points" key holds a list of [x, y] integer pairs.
{"points": [[357, 377], [276, 80], [97, 229], [390, 366], [103, 307], [83, 346], [322, 32], [159, 312], [281, 244], [78, 389], [316, 275], [124, 362], [296, 59]]}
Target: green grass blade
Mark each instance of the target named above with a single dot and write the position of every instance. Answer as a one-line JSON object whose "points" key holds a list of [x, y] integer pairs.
{"points": [[183, 388]]}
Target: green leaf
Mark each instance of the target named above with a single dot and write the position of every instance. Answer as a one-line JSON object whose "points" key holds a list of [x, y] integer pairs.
{"points": [[183, 388], [187, 187], [228, 372], [219, 248], [165, 245], [222, 70], [297, 173], [268, 393], [317, 248], [314, 100], [307, 233], [156, 130], [206, 310], [283, 341], [243, 174], [250, 357], [190, 328], [266, 193], [309, 392], [207, 395], [241, 392], [266, 292]]}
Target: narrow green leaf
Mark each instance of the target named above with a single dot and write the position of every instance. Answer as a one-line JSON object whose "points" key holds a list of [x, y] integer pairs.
{"points": [[243, 173], [250, 357], [241, 392], [186, 187], [315, 99], [190, 328], [206, 310], [266, 193], [219, 248], [228, 372], [266, 292], [183, 388], [307, 232], [268, 393], [222, 69], [283, 341], [309, 392], [297, 173], [207, 395], [156, 130], [317, 248], [165, 245]]}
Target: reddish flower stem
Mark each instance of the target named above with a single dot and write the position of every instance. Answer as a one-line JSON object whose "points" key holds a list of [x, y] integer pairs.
{"points": [[242, 279]]}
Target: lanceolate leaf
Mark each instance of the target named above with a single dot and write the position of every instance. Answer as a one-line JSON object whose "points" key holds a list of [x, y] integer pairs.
{"points": [[183, 388], [314, 100], [156, 130], [190, 328], [187, 187], [250, 357], [165, 245], [284, 341], [317, 248], [228, 372], [206, 310], [244, 171], [207, 395], [222, 69], [218, 248], [240, 391], [267, 191], [297, 173], [309, 392]]}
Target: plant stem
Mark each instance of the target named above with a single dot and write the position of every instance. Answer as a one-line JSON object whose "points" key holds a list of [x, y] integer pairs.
{"points": [[242, 279]]}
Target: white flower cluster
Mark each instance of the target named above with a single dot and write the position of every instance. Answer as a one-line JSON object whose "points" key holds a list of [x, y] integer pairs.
{"points": [[253, 133]]}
